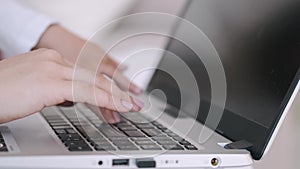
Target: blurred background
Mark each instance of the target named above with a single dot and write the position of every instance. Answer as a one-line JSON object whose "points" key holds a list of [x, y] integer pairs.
{"points": [[86, 17]]}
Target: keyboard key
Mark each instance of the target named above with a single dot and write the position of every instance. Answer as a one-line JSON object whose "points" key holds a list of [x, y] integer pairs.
{"points": [[74, 143], [100, 143], [60, 131], [81, 124], [71, 131], [79, 148], [191, 147], [69, 137], [118, 143], [162, 138], [184, 142], [59, 124], [105, 148], [92, 132], [119, 139], [168, 131], [145, 142], [163, 129], [110, 132], [127, 128], [152, 132], [96, 139], [128, 147], [134, 134], [145, 126], [61, 127], [156, 123], [172, 135], [87, 130], [150, 147], [177, 138], [97, 122], [166, 142], [120, 125], [140, 139], [55, 119]]}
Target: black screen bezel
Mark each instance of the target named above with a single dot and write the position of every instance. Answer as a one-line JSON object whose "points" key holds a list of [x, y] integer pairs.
{"points": [[248, 130]]}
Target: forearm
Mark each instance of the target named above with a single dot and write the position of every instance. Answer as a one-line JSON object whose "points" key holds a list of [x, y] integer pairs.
{"points": [[61, 40]]}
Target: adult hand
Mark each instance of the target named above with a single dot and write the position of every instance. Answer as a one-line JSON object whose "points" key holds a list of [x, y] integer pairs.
{"points": [[40, 78], [86, 54], [90, 56]]}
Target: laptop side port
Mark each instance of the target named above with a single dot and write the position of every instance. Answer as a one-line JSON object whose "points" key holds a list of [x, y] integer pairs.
{"points": [[145, 163], [120, 162]]}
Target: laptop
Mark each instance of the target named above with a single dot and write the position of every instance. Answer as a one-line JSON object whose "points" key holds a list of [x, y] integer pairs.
{"points": [[258, 48]]}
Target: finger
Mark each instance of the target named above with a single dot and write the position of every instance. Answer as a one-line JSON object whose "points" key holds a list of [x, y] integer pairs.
{"points": [[114, 71], [85, 75], [108, 61], [116, 116], [109, 116], [78, 91], [68, 63], [124, 83], [106, 115], [116, 66], [98, 80]]}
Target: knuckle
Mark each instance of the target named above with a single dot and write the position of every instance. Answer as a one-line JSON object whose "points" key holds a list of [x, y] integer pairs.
{"points": [[101, 80], [51, 54], [48, 68]]}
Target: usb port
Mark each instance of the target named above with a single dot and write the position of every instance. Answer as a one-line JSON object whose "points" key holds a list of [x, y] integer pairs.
{"points": [[120, 162]]}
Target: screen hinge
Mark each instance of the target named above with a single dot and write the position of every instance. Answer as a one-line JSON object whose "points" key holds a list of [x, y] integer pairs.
{"points": [[242, 144]]}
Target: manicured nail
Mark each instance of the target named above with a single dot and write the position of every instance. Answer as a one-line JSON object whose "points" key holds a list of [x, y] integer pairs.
{"points": [[138, 102], [127, 104], [137, 90]]}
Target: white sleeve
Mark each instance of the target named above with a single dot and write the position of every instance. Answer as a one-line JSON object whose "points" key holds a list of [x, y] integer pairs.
{"points": [[20, 28]]}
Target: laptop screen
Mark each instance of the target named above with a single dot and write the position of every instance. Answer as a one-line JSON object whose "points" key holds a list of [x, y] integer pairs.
{"points": [[258, 45]]}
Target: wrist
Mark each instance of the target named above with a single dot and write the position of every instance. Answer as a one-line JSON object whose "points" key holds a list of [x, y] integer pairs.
{"points": [[66, 43]]}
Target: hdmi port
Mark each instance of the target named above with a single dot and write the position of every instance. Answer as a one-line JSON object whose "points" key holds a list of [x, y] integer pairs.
{"points": [[120, 162]]}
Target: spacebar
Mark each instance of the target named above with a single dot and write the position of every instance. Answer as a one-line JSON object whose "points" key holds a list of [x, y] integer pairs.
{"points": [[110, 132]]}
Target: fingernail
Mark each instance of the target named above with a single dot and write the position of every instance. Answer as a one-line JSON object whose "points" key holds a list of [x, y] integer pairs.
{"points": [[138, 102], [127, 104], [137, 90], [116, 117]]}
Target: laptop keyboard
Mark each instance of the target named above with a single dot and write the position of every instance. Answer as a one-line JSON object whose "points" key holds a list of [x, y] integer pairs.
{"points": [[81, 130]]}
